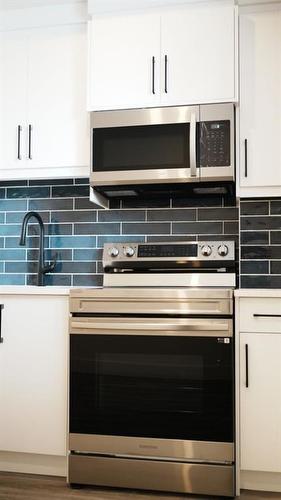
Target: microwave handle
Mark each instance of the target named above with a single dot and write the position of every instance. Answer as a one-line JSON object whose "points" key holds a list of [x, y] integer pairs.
{"points": [[192, 142]]}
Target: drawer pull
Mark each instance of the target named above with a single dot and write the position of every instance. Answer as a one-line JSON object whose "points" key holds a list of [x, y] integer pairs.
{"points": [[247, 364], [267, 315]]}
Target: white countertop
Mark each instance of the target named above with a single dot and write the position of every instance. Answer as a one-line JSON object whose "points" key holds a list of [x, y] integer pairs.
{"points": [[258, 292], [61, 290], [33, 290]]}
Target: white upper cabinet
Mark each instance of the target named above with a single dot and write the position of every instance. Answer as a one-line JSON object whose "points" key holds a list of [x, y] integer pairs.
{"points": [[124, 61], [57, 97], [43, 120], [13, 99], [260, 101], [198, 46], [178, 56]]}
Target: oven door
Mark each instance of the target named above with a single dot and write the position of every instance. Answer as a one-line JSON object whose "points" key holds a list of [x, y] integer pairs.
{"points": [[152, 386]]}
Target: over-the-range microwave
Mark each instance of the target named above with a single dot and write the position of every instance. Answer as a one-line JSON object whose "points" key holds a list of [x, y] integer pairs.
{"points": [[160, 147]]}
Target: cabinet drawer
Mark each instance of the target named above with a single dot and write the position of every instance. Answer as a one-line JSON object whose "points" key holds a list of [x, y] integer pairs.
{"points": [[260, 315]]}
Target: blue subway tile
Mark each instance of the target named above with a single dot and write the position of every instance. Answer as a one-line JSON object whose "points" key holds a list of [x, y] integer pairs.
{"points": [[66, 191], [87, 254], [28, 192], [51, 204], [12, 279], [87, 280], [31, 242], [119, 239], [13, 205], [97, 228], [10, 229], [51, 279], [2, 217], [9, 254], [14, 217], [21, 267], [50, 182], [73, 242]]}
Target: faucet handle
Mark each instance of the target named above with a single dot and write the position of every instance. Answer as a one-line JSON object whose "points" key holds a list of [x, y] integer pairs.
{"points": [[49, 268]]}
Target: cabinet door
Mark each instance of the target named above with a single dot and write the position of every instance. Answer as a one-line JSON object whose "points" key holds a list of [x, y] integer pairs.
{"points": [[260, 100], [13, 99], [198, 45], [121, 64], [33, 372], [59, 136], [261, 402]]}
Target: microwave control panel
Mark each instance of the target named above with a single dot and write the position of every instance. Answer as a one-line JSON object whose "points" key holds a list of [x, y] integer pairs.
{"points": [[214, 146]]}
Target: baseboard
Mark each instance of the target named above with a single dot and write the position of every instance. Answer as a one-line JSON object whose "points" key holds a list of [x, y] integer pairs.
{"points": [[33, 464], [260, 481]]}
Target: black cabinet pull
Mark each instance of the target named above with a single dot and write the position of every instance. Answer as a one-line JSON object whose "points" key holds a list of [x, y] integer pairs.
{"points": [[153, 75], [19, 139], [166, 74], [267, 315], [1, 338], [29, 142], [246, 157], [247, 364]]}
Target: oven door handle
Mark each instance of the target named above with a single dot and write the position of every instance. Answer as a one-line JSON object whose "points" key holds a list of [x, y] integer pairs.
{"points": [[189, 327]]}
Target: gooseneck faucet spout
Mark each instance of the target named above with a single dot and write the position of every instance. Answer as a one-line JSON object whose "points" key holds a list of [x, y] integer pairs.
{"points": [[42, 267]]}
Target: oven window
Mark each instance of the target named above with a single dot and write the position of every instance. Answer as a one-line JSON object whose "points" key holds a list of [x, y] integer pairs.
{"points": [[141, 147], [161, 387]]}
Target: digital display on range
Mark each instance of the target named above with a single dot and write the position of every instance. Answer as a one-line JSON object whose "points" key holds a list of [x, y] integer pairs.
{"points": [[167, 250]]}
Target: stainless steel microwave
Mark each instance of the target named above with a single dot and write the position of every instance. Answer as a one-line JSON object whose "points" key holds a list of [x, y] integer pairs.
{"points": [[161, 146]]}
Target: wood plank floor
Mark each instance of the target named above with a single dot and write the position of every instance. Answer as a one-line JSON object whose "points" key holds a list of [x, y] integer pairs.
{"points": [[31, 487]]}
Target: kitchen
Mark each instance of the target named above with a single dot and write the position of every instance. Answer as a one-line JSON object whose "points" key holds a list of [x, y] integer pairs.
{"points": [[48, 87]]}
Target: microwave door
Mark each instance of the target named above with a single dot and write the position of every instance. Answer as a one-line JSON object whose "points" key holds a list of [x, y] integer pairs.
{"points": [[215, 142], [151, 146]]}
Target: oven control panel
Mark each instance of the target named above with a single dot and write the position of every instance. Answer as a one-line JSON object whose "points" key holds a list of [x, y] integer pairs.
{"points": [[214, 251]]}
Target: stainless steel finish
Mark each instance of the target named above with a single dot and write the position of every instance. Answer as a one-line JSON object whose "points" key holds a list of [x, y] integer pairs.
{"points": [[201, 451], [174, 279], [158, 327], [152, 475], [192, 141], [129, 251], [143, 116], [113, 252], [98, 198], [214, 255], [206, 250], [162, 116], [215, 112], [152, 301], [150, 176], [223, 250]]}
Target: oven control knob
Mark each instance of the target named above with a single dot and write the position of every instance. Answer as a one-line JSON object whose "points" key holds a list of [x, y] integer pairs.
{"points": [[223, 250], [113, 252], [206, 250], [129, 251]]}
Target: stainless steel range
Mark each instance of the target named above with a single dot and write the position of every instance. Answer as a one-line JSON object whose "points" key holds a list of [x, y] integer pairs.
{"points": [[152, 370]]}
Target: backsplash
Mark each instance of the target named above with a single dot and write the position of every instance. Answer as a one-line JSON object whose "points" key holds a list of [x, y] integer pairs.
{"points": [[260, 235], [76, 229]]}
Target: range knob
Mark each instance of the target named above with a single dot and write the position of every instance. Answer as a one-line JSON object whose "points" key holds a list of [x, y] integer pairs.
{"points": [[129, 251], [113, 252], [223, 250], [206, 250]]}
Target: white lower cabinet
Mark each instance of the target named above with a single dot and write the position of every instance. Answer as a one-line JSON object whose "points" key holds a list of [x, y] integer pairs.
{"points": [[33, 374], [260, 402]]}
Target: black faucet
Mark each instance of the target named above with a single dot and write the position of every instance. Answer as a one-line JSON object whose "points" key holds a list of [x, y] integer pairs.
{"points": [[42, 267]]}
